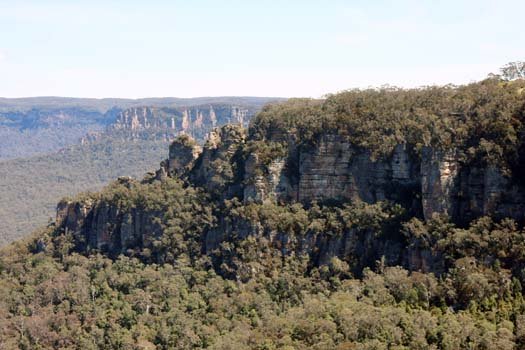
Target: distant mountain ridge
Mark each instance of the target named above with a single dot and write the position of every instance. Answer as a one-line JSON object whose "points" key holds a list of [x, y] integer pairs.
{"points": [[49, 150], [39, 125], [166, 123]]}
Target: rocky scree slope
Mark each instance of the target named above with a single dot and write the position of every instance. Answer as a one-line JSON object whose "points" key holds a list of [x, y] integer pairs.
{"points": [[31, 126]]}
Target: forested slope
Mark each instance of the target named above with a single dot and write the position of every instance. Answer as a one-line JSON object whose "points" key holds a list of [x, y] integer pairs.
{"points": [[31, 187], [51, 147], [376, 219]]}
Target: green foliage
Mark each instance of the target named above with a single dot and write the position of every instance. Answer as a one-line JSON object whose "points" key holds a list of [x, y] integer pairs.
{"points": [[262, 288], [266, 151], [31, 187], [209, 273], [92, 302], [482, 120]]}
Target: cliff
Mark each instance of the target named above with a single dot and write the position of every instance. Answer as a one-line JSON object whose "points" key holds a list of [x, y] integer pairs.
{"points": [[168, 122], [30, 126], [117, 137], [427, 184], [232, 166], [323, 187]]}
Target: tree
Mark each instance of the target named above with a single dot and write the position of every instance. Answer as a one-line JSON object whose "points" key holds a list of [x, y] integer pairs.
{"points": [[513, 70]]}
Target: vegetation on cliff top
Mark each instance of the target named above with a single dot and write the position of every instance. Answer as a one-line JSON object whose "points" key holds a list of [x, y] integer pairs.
{"points": [[483, 121]]}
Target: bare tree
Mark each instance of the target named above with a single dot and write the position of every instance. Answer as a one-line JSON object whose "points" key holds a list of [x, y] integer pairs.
{"points": [[513, 70]]}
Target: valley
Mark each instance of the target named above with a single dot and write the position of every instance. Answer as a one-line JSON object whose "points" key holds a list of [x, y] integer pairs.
{"points": [[53, 147]]}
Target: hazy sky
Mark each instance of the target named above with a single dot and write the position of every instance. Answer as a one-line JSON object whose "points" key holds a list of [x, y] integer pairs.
{"points": [[263, 48]]}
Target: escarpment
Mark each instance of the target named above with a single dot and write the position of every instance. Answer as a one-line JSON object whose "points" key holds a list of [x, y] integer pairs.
{"points": [[166, 123], [285, 181], [331, 170]]}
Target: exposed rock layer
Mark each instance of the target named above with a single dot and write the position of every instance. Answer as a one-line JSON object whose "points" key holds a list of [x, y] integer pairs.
{"points": [[167, 123], [329, 169]]}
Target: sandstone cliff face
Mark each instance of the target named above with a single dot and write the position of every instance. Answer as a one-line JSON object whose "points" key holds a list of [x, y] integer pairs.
{"points": [[486, 191], [103, 226], [72, 215], [267, 182], [439, 177], [434, 182], [167, 123], [183, 153], [108, 228], [360, 247], [465, 192], [329, 169], [334, 169], [217, 168]]}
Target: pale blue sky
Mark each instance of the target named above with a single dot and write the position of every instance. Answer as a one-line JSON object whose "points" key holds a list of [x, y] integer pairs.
{"points": [[263, 48]]}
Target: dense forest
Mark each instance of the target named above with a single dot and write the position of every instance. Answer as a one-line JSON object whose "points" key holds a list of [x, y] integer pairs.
{"points": [[32, 186], [188, 258], [482, 120], [249, 295]]}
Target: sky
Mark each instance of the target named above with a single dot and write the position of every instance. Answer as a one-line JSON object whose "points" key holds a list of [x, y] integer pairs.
{"points": [[285, 48]]}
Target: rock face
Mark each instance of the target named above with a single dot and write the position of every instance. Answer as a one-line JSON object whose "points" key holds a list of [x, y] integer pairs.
{"points": [[334, 169], [105, 226], [465, 192], [217, 168], [434, 182], [439, 182], [182, 155], [268, 182], [72, 215], [166, 123], [232, 165], [359, 246], [486, 191]]}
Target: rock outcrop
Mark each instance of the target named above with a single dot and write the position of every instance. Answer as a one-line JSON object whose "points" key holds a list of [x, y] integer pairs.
{"points": [[183, 153], [217, 168], [267, 182], [432, 182], [439, 182], [232, 165], [166, 123]]}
